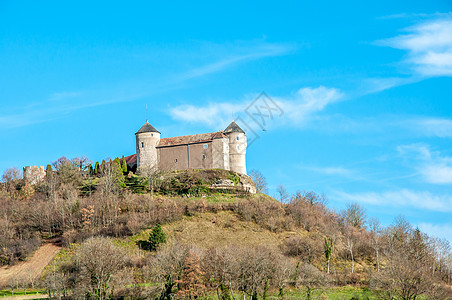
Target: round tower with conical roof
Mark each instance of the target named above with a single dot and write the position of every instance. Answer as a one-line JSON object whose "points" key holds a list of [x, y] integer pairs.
{"points": [[237, 148], [147, 139]]}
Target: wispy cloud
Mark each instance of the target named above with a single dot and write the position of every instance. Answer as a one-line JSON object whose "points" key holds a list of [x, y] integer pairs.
{"points": [[399, 199], [433, 167], [298, 107], [417, 15], [429, 46], [210, 114], [253, 53], [336, 171], [443, 231], [57, 106], [437, 127], [61, 103]]}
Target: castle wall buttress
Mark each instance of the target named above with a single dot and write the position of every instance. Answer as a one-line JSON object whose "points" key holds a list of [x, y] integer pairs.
{"points": [[220, 153]]}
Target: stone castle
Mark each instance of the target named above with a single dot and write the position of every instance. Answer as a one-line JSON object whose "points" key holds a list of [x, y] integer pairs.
{"points": [[34, 174], [216, 150]]}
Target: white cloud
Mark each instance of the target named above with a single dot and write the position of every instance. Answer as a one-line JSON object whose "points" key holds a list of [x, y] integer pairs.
{"points": [[399, 199], [434, 127], [429, 46], [211, 114], [434, 167], [297, 108], [438, 174], [307, 101]]}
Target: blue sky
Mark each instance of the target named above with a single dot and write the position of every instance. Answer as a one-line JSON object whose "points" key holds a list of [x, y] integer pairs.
{"points": [[363, 90]]}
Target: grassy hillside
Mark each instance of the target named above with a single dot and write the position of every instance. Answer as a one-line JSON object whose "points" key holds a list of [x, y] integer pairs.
{"points": [[221, 240]]}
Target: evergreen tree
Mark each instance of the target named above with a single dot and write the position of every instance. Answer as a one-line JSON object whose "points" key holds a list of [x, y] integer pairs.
{"points": [[90, 169], [118, 163], [156, 237], [49, 170], [96, 168], [102, 166], [124, 164], [117, 169]]}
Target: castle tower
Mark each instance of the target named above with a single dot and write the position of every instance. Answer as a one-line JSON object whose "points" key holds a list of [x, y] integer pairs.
{"points": [[147, 139], [237, 148]]}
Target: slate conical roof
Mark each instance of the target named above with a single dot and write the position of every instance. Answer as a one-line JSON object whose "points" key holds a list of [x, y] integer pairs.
{"points": [[233, 127], [147, 128]]}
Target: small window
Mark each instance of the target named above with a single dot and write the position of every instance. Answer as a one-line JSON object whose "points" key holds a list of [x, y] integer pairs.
{"points": [[205, 146], [237, 138], [204, 156], [152, 134], [142, 144], [238, 147], [176, 160]]}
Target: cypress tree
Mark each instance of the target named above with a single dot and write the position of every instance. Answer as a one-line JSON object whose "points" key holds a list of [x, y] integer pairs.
{"points": [[102, 165], [90, 169], [118, 163], [124, 164], [96, 168], [49, 170]]}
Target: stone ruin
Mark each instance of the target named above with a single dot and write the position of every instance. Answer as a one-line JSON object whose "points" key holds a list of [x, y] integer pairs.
{"points": [[34, 174]]}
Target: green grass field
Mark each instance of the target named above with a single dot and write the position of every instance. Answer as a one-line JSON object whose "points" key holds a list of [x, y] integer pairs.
{"points": [[20, 292]]}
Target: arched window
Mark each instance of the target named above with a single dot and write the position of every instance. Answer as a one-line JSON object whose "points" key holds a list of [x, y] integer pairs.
{"points": [[142, 144], [237, 138]]}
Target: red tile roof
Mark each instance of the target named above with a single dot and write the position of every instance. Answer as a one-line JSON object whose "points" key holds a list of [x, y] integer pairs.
{"points": [[131, 159], [191, 139]]}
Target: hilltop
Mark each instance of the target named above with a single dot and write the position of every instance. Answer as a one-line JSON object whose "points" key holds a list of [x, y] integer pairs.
{"points": [[220, 238]]}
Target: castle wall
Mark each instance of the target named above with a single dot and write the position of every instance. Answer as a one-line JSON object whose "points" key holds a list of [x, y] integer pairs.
{"points": [[181, 157], [34, 174], [220, 153], [201, 156], [173, 158]]}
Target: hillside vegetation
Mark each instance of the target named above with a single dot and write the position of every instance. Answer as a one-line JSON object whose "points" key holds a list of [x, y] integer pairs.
{"points": [[220, 241]]}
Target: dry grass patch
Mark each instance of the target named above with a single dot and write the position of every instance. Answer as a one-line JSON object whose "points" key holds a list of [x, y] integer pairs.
{"points": [[217, 229]]}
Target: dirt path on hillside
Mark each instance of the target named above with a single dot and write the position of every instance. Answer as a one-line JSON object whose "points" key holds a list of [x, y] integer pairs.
{"points": [[30, 269]]}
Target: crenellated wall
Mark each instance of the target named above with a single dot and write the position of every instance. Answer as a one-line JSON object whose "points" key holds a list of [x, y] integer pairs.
{"points": [[34, 174]]}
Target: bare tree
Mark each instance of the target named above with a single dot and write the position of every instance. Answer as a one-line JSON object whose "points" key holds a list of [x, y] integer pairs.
{"points": [[259, 180], [354, 215], [98, 260], [166, 267], [9, 178], [82, 162], [283, 195], [407, 274], [375, 231], [11, 174], [220, 265], [311, 279]]}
